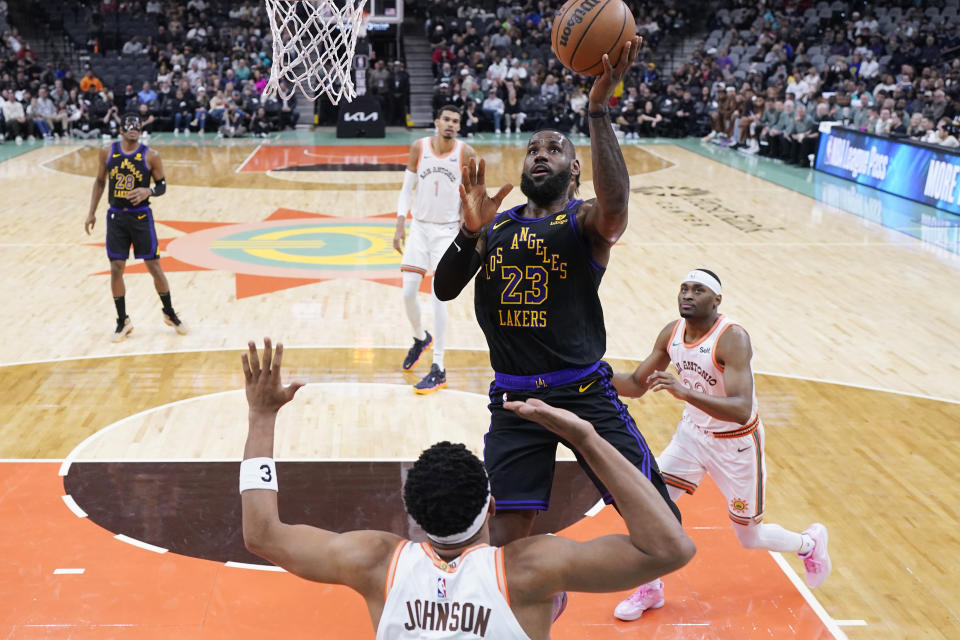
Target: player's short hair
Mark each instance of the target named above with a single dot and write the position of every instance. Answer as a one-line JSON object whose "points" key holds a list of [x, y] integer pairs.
{"points": [[445, 489], [711, 273], [449, 107]]}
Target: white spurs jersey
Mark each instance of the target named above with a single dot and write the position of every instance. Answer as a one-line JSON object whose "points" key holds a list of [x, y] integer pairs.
{"points": [[437, 198], [698, 369], [429, 598]]}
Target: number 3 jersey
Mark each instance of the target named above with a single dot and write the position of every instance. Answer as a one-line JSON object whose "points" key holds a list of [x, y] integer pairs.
{"points": [[698, 369], [126, 172], [536, 294]]}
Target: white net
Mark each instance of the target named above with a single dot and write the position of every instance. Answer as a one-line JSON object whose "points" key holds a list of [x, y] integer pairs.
{"points": [[313, 46]]}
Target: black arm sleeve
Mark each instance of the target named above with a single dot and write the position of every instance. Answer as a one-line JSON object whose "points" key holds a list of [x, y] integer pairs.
{"points": [[159, 188], [458, 265]]}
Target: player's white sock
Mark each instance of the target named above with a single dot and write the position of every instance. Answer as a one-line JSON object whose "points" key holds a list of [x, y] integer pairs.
{"points": [[439, 329], [770, 536], [411, 285]]}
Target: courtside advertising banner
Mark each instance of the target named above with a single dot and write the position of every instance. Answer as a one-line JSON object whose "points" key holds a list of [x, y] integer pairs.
{"points": [[919, 172]]}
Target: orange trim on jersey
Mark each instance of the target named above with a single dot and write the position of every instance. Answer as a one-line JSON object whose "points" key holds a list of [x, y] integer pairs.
{"points": [[420, 156], [713, 354], [678, 482], [760, 478], [392, 569], [745, 521], [703, 337], [676, 332], [412, 269], [456, 143], [442, 564], [739, 432], [498, 557]]}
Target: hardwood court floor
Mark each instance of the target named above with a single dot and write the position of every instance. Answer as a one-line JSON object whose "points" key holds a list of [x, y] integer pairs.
{"points": [[825, 296]]}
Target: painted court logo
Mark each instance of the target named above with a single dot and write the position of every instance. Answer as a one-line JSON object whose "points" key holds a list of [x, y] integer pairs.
{"points": [[289, 249]]}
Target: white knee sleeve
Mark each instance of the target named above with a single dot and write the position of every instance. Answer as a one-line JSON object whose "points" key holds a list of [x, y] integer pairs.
{"points": [[411, 285], [439, 330]]}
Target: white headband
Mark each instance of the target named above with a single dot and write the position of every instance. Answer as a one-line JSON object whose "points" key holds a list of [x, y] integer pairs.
{"points": [[705, 279], [470, 531]]}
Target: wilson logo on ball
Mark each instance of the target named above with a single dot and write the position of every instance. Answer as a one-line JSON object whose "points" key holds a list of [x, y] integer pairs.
{"points": [[577, 18]]}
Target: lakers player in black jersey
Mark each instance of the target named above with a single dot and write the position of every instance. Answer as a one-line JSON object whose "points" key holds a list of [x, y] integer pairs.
{"points": [[536, 300], [129, 165]]}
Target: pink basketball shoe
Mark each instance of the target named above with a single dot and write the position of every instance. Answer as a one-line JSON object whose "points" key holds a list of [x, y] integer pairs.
{"points": [[647, 596], [817, 560]]}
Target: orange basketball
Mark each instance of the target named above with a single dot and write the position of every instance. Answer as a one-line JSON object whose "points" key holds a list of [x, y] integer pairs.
{"points": [[584, 30]]}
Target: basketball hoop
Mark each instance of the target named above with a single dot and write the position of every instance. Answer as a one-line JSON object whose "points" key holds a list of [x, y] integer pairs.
{"points": [[313, 46]]}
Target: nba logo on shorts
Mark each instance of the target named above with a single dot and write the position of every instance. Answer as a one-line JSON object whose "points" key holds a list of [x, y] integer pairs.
{"points": [[441, 587]]}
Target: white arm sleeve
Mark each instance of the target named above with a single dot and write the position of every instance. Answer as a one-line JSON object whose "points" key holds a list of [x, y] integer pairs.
{"points": [[403, 201]]}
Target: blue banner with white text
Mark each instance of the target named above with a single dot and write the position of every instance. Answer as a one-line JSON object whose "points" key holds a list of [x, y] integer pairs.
{"points": [[920, 172]]}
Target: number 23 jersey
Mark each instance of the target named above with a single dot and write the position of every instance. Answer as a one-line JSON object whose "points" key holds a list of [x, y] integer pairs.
{"points": [[536, 296]]}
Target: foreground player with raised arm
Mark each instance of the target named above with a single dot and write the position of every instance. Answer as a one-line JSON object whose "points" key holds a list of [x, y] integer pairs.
{"points": [[720, 432], [502, 593], [536, 300]]}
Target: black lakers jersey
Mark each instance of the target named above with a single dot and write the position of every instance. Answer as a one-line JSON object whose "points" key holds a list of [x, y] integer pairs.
{"points": [[536, 295], [126, 172]]}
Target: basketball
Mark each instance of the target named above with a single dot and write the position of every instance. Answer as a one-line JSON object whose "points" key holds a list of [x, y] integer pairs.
{"points": [[584, 30]]}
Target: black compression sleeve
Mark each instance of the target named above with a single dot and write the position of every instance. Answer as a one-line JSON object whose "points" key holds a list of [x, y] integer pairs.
{"points": [[457, 266], [159, 188]]}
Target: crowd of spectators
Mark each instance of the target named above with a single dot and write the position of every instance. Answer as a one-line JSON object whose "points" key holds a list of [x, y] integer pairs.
{"points": [[761, 82], [769, 73], [207, 65], [880, 68], [498, 67]]}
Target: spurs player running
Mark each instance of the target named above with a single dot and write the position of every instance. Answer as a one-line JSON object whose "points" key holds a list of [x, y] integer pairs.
{"points": [[720, 432], [435, 168]]}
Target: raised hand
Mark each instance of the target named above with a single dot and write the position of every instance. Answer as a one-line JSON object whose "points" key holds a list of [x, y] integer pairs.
{"points": [[478, 208], [560, 421], [607, 81], [265, 391]]}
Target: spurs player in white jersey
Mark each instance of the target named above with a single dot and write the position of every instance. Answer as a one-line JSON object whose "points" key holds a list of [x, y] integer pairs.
{"points": [[453, 585], [434, 167], [720, 432]]}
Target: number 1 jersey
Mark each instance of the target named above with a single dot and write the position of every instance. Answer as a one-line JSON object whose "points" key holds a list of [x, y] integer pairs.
{"points": [[536, 297]]}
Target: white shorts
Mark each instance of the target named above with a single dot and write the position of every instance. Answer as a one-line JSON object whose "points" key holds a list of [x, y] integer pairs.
{"points": [[736, 464], [426, 244]]}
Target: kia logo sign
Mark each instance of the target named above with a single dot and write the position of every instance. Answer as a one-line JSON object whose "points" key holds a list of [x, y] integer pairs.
{"points": [[360, 116]]}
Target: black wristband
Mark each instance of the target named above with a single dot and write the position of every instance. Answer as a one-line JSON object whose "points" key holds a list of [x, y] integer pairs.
{"points": [[599, 114], [466, 233], [464, 241]]}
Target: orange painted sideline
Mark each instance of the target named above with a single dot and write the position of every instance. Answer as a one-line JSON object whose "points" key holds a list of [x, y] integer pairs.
{"points": [[126, 592]]}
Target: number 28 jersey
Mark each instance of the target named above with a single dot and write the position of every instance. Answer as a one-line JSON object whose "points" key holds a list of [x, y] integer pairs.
{"points": [[125, 173], [536, 296]]}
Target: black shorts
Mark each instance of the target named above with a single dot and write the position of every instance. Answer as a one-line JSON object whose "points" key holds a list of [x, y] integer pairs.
{"points": [[520, 455], [127, 227]]}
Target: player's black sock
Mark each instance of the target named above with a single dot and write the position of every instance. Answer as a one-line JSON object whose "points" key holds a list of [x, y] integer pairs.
{"points": [[121, 305], [165, 300]]}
